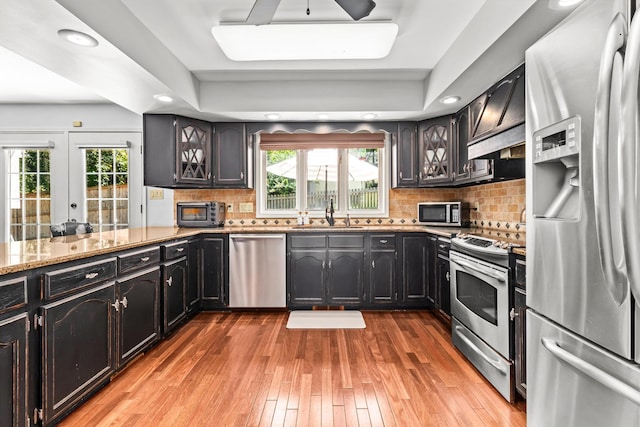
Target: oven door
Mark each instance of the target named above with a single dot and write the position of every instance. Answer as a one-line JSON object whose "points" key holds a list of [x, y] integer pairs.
{"points": [[480, 299]]}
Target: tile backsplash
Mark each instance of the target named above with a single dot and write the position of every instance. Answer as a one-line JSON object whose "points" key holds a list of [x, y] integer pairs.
{"points": [[499, 205]]}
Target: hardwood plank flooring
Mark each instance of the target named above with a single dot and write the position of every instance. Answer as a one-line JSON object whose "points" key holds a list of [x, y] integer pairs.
{"points": [[247, 369]]}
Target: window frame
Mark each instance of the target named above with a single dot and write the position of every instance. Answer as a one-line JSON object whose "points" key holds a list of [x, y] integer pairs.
{"points": [[343, 187]]}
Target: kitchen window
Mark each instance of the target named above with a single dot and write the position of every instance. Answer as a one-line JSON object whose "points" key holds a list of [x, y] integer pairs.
{"points": [[305, 172]]}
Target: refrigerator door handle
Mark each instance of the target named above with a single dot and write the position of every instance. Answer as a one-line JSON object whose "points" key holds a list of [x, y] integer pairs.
{"points": [[614, 273], [595, 373], [628, 160]]}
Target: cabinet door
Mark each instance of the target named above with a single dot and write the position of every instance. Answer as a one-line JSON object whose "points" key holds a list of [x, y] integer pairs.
{"points": [[382, 277], [404, 153], [193, 286], [230, 156], [520, 341], [461, 133], [415, 269], [434, 157], [13, 371], [139, 313], [193, 152], [345, 281], [444, 284], [174, 279], [77, 348], [212, 271], [307, 277], [433, 291]]}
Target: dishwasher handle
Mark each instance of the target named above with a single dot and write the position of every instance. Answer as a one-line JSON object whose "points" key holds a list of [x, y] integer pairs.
{"points": [[256, 236]]}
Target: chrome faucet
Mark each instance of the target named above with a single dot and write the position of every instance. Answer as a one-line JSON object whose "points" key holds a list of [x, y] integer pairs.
{"points": [[328, 214]]}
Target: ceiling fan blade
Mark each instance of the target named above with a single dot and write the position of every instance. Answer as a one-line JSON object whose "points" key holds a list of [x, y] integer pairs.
{"points": [[262, 12]]}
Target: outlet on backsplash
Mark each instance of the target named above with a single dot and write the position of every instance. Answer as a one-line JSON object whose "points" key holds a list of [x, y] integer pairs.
{"points": [[230, 208], [246, 207]]}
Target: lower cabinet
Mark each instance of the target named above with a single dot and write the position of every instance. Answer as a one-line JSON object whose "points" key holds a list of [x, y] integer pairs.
{"points": [[382, 270], [212, 272], [78, 339], [13, 373], [415, 269], [139, 315], [174, 279], [433, 290], [326, 269]]}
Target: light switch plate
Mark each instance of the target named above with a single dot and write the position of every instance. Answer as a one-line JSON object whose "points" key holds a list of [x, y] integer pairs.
{"points": [[156, 194], [246, 207]]}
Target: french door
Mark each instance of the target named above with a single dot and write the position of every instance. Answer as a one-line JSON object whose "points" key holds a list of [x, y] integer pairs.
{"points": [[52, 177]]}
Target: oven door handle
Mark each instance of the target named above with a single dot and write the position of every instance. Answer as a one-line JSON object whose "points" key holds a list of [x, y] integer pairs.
{"points": [[495, 363], [472, 267]]}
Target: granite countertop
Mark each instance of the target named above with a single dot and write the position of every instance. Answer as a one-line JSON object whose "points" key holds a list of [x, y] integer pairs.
{"points": [[25, 255], [520, 251]]}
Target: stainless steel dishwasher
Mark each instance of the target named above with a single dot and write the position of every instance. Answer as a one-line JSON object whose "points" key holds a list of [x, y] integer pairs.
{"points": [[257, 270]]}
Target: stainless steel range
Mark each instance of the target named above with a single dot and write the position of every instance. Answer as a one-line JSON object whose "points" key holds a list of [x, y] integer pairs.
{"points": [[480, 307]]}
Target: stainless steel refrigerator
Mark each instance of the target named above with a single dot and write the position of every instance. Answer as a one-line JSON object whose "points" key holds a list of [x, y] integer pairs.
{"points": [[583, 208]]}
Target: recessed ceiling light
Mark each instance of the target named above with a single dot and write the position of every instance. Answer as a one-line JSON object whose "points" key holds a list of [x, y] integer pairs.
{"points": [[78, 38], [163, 98], [272, 116], [369, 116], [305, 41], [563, 4], [323, 116], [450, 99]]}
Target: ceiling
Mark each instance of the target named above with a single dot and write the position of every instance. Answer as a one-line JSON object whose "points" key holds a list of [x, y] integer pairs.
{"points": [[150, 47]]}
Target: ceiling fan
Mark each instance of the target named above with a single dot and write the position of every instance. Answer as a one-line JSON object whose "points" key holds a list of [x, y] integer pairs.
{"points": [[263, 10]]}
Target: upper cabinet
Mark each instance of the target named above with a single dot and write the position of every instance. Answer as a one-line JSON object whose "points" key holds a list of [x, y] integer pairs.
{"points": [[233, 168], [500, 108], [467, 170], [177, 151], [434, 151], [404, 154], [180, 152]]}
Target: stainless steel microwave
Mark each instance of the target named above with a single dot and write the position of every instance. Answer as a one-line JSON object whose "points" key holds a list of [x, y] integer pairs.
{"points": [[200, 214], [446, 214]]}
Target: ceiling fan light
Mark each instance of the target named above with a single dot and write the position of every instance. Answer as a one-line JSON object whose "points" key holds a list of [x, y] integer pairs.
{"points": [[276, 42]]}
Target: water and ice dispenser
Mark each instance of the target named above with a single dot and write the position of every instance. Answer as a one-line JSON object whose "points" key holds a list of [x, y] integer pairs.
{"points": [[556, 170]]}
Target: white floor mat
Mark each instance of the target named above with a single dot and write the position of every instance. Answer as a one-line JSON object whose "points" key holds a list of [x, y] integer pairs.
{"points": [[325, 319]]}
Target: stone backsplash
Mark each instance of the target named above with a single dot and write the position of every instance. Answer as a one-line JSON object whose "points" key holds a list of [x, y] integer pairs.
{"points": [[494, 206]]}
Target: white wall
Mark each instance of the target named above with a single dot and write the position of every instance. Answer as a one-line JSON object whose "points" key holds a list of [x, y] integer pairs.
{"points": [[98, 117]]}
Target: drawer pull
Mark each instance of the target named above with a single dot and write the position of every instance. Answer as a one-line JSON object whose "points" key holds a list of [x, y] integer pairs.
{"points": [[383, 241], [170, 281], [91, 275], [180, 250], [144, 259]]}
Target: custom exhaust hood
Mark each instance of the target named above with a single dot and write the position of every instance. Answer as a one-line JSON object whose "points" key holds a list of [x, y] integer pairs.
{"points": [[492, 146]]}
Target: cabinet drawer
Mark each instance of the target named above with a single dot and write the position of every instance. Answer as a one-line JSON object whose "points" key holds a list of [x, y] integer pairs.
{"points": [[307, 241], [13, 294], [67, 280], [382, 241], [175, 250], [135, 260], [346, 241]]}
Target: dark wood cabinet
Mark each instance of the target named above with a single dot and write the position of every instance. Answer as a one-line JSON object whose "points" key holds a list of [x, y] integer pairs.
{"points": [[77, 348], [518, 316], [414, 267], [326, 269], [404, 152], [434, 151], [138, 301], [212, 272], [499, 108], [443, 277], [177, 151], [382, 270], [174, 278], [433, 291], [232, 157], [13, 374]]}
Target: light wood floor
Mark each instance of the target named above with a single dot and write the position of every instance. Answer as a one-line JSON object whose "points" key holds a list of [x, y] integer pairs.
{"points": [[247, 369]]}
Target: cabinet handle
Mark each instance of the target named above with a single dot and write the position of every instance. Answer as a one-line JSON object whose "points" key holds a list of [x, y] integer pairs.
{"points": [[116, 305], [400, 174], [513, 314], [241, 175], [329, 264], [91, 275], [383, 241], [180, 250], [373, 263], [209, 175], [448, 276], [144, 259], [124, 302], [323, 265], [170, 281]]}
